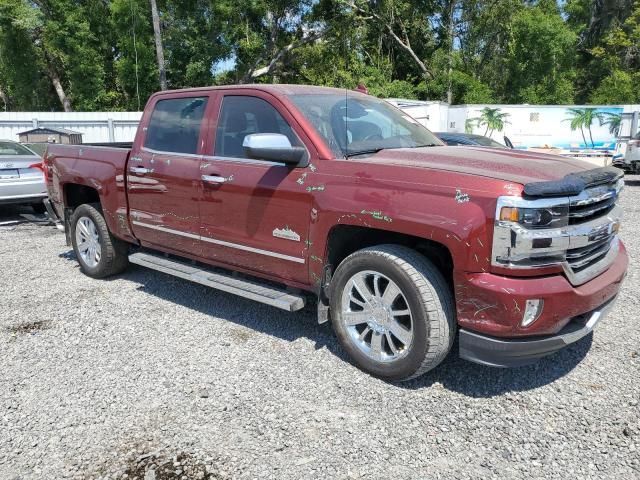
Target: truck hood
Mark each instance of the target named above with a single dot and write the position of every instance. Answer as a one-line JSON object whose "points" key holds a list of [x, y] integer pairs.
{"points": [[503, 164]]}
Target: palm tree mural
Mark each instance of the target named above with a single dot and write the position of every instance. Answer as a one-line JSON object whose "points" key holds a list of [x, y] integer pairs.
{"points": [[492, 118], [613, 120], [582, 118]]}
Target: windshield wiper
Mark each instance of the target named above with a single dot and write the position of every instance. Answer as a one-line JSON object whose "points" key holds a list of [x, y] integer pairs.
{"points": [[363, 152], [427, 145]]}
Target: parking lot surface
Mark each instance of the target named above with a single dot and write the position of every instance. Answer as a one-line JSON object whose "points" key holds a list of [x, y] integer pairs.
{"points": [[148, 376]]}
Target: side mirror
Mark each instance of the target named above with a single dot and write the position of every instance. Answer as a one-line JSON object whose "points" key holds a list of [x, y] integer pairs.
{"points": [[272, 146], [507, 142]]}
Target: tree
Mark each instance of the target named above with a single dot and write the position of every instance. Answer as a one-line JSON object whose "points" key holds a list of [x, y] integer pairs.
{"points": [[493, 119], [613, 120], [582, 118], [157, 36]]}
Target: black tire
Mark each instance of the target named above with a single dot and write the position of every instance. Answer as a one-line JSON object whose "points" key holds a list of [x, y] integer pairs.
{"points": [[39, 208], [114, 253], [428, 296]]}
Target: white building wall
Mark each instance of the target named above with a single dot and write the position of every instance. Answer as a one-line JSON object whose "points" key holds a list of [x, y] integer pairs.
{"points": [[528, 125], [94, 126]]}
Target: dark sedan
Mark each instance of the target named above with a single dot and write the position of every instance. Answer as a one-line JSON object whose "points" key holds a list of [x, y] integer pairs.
{"points": [[454, 139]]}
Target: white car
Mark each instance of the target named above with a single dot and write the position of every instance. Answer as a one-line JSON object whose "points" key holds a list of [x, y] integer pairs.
{"points": [[629, 160], [21, 176]]}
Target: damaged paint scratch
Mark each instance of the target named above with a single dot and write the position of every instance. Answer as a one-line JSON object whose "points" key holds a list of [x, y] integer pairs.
{"points": [[462, 197], [516, 306], [315, 188], [312, 167], [315, 258], [480, 310], [300, 180], [377, 214]]}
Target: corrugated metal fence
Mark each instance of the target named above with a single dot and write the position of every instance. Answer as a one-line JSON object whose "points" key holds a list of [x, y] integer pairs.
{"points": [[94, 126]]}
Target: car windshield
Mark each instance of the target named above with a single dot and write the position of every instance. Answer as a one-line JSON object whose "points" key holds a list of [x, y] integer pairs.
{"points": [[357, 124], [486, 142], [11, 148]]}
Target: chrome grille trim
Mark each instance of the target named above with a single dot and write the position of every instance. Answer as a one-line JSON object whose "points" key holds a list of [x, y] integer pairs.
{"points": [[584, 248]]}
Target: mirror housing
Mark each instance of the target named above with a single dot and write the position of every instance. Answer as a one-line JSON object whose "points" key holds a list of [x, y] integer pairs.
{"points": [[275, 147], [508, 142]]}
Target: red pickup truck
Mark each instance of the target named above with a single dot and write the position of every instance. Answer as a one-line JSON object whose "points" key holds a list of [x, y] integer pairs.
{"points": [[286, 194]]}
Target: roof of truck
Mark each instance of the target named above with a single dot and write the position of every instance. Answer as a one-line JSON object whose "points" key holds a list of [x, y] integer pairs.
{"points": [[277, 89]]}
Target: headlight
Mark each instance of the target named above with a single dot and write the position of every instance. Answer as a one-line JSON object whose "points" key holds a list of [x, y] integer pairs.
{"points": [[550, 217], [530, 233]]}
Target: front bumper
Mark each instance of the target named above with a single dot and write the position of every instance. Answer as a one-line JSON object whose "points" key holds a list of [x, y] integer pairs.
{"points": [[494, 305], [497, 352]]}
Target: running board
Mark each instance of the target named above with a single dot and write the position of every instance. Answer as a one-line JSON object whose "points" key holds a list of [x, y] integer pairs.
{"points": [[225, 282]]}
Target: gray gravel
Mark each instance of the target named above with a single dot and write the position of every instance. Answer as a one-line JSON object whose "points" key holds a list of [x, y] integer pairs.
{"points": [[147, 376]]}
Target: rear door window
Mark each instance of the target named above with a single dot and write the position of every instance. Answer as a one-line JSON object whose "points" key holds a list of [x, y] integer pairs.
{"points": [[243, 115], [175, 125]]}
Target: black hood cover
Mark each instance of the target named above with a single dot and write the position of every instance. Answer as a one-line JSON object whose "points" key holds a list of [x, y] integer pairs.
{"points": [[574, 183]]}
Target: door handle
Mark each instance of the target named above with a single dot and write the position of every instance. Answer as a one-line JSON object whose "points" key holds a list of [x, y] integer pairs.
{"points": [[214, 179], [140, 170]]}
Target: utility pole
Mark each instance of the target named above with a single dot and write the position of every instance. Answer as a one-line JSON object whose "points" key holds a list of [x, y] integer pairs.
{"points": [[159, 50], [450, 69]]}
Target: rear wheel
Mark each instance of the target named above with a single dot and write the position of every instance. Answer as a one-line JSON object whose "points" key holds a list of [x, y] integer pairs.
{"points": [[393, 311], [98, 252]]}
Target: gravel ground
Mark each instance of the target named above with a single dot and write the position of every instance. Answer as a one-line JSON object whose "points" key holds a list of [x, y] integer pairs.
{"points": [[148, 376]]}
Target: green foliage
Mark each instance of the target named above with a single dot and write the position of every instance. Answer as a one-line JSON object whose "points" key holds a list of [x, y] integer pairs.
{"points": [[100, 54], [491, 118]]}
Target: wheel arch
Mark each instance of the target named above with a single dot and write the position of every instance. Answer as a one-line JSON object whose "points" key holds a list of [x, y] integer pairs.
{"points": [[343, 240]]}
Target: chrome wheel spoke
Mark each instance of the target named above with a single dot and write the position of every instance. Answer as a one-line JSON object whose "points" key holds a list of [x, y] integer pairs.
{"points": [[361, 288], [376, 345], [391, 293], [401, 313], [364, 334], [392, 346], [400, 332], [376, 285], [356, 318], [83, 228], [357, 302]]}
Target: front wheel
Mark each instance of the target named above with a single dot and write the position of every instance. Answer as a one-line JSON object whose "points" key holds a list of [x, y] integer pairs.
{"points": [[98, 252], [392, 311]]}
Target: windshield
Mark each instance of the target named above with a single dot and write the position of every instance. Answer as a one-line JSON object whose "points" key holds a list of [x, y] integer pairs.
{"points": [[486, 142], [354, 123], [11, 148]]}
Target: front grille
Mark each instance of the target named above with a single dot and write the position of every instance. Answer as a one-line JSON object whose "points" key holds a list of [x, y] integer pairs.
{"points": [[590, 205], [583, 257]]}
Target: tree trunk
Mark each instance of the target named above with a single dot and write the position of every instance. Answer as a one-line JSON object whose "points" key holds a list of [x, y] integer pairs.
{"points": [[584, 139], [591, 137], [159, 50], [5, 98], [64, 100]]}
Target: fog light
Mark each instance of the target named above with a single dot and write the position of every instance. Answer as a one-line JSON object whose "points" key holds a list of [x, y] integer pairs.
{"points": [[532, 310]]}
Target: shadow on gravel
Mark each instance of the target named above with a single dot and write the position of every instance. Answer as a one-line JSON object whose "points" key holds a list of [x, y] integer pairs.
{"points": [[479, 381], [454, 374]]}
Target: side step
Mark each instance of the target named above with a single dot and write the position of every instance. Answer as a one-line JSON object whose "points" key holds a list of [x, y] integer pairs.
{"points": [[225, 282]]}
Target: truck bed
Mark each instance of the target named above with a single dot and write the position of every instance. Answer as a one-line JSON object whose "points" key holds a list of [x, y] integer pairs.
{"points": [[100, 169]]}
